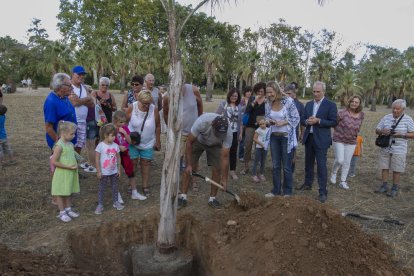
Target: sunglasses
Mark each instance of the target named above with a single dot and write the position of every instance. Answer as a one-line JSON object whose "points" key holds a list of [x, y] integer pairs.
{"points": [[136, 84]]}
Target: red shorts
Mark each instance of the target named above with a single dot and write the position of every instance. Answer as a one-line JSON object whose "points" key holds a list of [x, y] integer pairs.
{"points": [[127, 164]]}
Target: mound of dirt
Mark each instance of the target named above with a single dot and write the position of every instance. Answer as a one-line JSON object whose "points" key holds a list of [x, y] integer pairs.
{"points": [[26, 263], [294, 236]]}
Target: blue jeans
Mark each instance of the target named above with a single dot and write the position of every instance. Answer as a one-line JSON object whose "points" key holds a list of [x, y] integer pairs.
{"points": [[259, 157], [278, 149]]}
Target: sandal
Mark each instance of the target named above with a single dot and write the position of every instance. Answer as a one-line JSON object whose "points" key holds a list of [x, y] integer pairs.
{"points": [[146, 192]]}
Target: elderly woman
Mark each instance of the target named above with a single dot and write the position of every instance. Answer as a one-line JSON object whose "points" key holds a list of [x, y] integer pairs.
{"points": [[345, 137], [144, 118], [401, 127], [283, 117], [106, 99], [137, 83], [256, 110], [232, 110]]}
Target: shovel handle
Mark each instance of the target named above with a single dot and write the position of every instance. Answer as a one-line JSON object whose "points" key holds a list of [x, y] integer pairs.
{"points": [[216, 184]]}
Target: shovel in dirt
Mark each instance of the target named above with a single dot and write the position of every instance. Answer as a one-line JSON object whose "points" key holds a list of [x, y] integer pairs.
{"points": [[366, 217], [236, 197]]}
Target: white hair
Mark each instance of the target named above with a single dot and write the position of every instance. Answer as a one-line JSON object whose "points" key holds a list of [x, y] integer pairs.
{"points": [[400, 102], [322, 84], [104, 80], [149, 75], [58, 80]]}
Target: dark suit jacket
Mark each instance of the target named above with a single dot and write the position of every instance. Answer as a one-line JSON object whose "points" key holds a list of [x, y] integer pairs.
{"points": [[327, 112]]}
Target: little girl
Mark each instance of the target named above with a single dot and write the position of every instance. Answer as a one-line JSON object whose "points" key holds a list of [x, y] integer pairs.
{"points": [[108, 166], [262, 143], [65, 178], [123, 140]]}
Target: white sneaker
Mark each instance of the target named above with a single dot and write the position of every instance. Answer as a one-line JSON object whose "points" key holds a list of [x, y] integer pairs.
{"points": [[90, 169], [99, 209], [72, 213], [344, 185], [120, 198], [84, 165], [118, 206], [64, 217], [269, 195], [136, 195], [333, 178]]}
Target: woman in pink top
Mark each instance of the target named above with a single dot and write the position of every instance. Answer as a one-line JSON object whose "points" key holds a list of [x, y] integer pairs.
{"points": [[345, 138]]}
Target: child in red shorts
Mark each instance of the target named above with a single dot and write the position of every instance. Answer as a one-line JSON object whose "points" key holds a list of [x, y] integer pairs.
{"points": [[123, 140]]}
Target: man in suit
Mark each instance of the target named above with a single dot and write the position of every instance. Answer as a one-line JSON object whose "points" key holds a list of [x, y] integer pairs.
{"points": [[318, 118]]}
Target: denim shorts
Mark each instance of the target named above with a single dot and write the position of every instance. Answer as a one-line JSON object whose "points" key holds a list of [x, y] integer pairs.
{"points": [[92, 130], [135, 153]]}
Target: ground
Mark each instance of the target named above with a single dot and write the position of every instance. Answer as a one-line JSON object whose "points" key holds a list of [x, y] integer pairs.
{"points": [[289, 236]]}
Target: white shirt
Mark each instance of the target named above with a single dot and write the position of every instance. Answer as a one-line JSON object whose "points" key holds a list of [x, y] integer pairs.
{"points": [[316, 106], [398, 145], [82, 110], [108, 161]]}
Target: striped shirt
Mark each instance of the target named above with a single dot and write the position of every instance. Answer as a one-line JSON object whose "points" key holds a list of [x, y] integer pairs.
{"points": [[397, 145], [346, 131]]}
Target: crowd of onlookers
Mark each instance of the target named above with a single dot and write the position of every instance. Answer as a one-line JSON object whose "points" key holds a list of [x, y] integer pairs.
{"points": [[122, 139]]}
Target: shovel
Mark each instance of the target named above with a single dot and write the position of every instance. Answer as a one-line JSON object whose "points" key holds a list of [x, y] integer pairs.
{"points": [[236, 197], [356, 215]]}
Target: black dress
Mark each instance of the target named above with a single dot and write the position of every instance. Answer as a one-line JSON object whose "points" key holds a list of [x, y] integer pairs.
{"points": [[107, 107]]}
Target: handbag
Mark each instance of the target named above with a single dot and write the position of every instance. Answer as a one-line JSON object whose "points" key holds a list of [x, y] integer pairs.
{"points": [[245, 118], [100, 117], [136, 136], [383, 141]]}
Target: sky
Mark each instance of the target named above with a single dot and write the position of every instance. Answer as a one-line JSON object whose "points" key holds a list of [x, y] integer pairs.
{"points": [[380, 22]]}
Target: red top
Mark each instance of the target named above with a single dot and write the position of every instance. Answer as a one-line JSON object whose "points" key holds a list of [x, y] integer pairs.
{"points": [[348, 127]]}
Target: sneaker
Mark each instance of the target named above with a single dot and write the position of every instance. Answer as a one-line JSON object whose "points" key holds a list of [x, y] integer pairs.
{"points": [[256, 179], [262, 177], [182, 202], [146, 192], [344, 185], [120, 198], [333, 178], [99, 209], [90, 169], [136, 195], [393, 192], [351, 175], [382, 189], [72, 213], [84, 165], [118, 206], [269, 195], [63, 216], [214, 204], [233, 175]]}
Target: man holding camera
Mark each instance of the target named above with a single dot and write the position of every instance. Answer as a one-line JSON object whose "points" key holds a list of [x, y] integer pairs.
{"points": [[394, 156]]}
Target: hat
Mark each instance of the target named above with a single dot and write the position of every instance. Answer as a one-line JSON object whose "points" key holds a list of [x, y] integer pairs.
{"points": [[220, 124], [78, 70]]}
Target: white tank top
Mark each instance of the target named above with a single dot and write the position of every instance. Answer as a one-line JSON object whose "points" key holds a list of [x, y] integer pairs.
{"points": [[279, 116], [135, 124]]}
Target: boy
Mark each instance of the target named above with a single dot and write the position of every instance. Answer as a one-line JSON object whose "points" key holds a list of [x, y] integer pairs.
{"points": [[5, 148]]}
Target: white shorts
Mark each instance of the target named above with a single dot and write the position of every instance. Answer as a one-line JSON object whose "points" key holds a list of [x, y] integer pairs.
{"points": [[81, 135]]}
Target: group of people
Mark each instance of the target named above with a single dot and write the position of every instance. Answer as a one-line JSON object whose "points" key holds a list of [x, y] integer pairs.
{"points": [[267, 117], [129, 135]]}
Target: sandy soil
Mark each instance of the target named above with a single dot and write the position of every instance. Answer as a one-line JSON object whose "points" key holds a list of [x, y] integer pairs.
{"points": [[294, 236]]}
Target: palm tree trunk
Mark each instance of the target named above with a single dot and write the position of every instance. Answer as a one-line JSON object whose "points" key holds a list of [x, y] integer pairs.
{"points": [[209, 88]]}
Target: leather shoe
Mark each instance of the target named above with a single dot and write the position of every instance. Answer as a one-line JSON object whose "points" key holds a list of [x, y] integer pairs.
{"points": [[304, 187], [322, 198]]}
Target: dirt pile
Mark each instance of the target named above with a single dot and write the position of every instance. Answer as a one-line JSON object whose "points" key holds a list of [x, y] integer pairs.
{"points": [[26, 263], [294, 236]]}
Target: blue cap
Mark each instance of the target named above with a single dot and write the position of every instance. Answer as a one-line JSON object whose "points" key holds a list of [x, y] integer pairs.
{"points": [[78, 70]]}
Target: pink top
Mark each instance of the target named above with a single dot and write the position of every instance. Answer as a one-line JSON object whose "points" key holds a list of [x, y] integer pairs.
{"points": [[348, 127], [120, 138]]}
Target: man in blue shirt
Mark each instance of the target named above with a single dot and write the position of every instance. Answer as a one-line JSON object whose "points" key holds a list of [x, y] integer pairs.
{"points": [[57, 107]]}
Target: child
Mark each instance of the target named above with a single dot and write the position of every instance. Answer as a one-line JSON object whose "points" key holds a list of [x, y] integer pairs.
{"points": [[65, 178], [108, 166], [5, 148], [262, 143], [355, 157], [123, 140]]}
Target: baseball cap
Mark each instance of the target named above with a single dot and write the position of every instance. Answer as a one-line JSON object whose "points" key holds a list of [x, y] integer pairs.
{"points": [[78, 70], [220, 124]]}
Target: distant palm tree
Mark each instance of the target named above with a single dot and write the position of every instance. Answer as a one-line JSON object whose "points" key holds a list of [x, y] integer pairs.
{"points": [[212, 56], [348, 86]]}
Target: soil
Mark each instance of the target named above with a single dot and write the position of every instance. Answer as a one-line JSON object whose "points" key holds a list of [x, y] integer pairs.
{"points": [[257, 236]]}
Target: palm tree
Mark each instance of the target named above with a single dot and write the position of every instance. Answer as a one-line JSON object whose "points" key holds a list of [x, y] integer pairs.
{"points": [[379, 73], [213, 55], [348, 86]]}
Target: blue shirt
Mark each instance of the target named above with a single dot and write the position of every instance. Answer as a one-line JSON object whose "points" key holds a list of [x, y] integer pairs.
{"points": [[3, 134], [56, 109]]}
